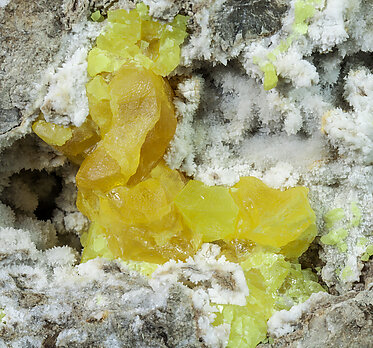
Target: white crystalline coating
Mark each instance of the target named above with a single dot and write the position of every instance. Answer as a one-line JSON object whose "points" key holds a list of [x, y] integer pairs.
{"points": [[3, 3], [284, 322], [328, 27], [12, 239], [199, 47], [282, 175], [213, 336], [71, 336], [361, 27], [223, 281], [353, 131], [215, 281], [292, 66], [180, 154], [216, 145], [7, 216], [42, 233], [60, 256], [21, 196], [358, 89], [66, 95], [165, 9], [75, 222], [65, 101], [293, 120]]}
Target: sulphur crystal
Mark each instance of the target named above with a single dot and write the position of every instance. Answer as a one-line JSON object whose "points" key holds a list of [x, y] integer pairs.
{"points": [[140, 121], [74, 142], [134, 36], [145, 213], [303, 10], [334, 236], [274, 284], [368, 253], [274, 218], [162, 217], [140, 222], [210, 212], [51, 133], [270, 76]]}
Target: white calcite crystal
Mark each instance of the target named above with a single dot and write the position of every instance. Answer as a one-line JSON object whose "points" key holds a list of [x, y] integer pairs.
{"points": [[223, 281], [66, 95], [284, 322], [211, 280], [352, 131]]}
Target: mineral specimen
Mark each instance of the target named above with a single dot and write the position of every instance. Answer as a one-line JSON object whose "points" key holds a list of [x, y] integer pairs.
{"points": [[133, 35], [276, 90], [142, 211]]}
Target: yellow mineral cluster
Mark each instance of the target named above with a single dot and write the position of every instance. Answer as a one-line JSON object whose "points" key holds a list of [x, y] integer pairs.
{"points": [[135, 36], [142, 211]]}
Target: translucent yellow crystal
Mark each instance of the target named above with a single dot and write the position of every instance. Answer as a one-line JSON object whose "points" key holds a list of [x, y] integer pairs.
{"points": [[333, 216], [274, 284], [82, 142], [97, 17], [99, 171], [140, 222], [334, 236], [52, 134], [368, 253], [134, 36], [270, 76], [273, 218], [99, 102], [158, 216], [210, 212], [74, 142], [143, 115], [304, 9]]}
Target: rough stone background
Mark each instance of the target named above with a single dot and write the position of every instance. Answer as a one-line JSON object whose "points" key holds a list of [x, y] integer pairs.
{"points": [[30, 38], [337, 321], [98, 304]]}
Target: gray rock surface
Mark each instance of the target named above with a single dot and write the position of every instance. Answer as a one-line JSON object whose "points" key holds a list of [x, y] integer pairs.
{"points": [[248, 19], [337, 321], [48, 303], [30, 35], [34, 38]]}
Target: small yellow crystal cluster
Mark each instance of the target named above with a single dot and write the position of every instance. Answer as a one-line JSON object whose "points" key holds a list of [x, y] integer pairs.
{"points": [[274, 284], [303, 11], [145, 213], [135, 36]]}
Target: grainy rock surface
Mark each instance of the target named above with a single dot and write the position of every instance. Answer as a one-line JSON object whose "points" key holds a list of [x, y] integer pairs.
{"points": [[30, 33], [335, 321], [98, 304]]}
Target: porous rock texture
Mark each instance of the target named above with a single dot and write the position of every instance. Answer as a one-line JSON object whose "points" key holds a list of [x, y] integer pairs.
{"points": [[334, 321], [30, 37], [313, 129], [97, 304]]}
